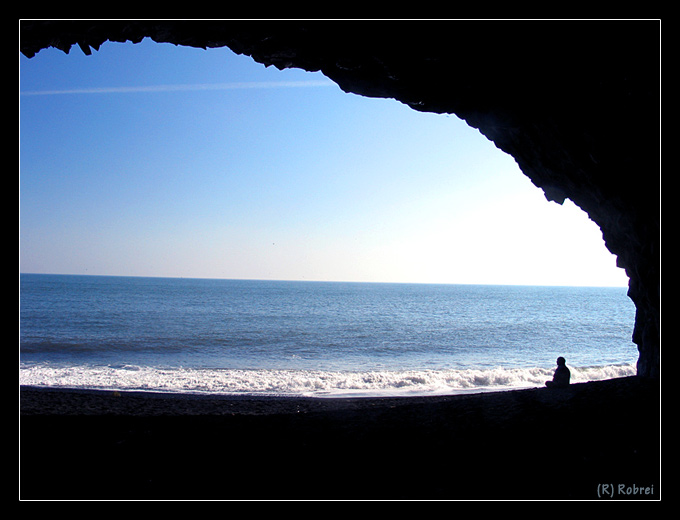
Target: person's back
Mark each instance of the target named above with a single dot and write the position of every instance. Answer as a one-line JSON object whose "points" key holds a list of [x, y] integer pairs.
{"points": [[562, 375]]}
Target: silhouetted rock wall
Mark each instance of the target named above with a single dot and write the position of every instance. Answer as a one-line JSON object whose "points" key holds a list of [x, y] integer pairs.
{"points": [[575, 103]]}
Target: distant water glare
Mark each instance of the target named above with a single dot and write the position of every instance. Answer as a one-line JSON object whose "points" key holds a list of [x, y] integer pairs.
{"points": [[313, 338]]}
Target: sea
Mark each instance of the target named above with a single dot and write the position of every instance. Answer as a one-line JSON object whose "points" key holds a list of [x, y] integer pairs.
{"points": [[315, 339]]}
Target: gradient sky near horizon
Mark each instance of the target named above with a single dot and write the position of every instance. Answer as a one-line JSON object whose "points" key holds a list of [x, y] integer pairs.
{"points": [[155, 160]]}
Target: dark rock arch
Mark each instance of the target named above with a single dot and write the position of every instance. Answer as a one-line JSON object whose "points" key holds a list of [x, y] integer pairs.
{"points": [[577, 104]]}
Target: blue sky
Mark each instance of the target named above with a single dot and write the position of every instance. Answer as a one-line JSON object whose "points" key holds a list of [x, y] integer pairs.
{"points": [[157, 160]]}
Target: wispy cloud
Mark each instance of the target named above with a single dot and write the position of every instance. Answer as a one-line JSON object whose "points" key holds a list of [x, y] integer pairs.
{"points": [[183, 88]]}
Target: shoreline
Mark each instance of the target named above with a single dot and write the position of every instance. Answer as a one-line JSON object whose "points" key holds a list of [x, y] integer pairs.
{"points": [[37, 400], [80, 444]]}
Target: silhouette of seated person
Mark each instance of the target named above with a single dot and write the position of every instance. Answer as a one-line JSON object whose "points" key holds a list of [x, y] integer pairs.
{"points": [[561, 377]]}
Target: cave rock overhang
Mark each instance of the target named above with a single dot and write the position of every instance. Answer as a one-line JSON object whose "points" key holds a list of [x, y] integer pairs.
{"points": [[577, 104]]}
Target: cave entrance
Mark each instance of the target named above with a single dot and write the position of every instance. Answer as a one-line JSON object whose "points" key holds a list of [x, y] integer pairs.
{"points": [[162, 163]]}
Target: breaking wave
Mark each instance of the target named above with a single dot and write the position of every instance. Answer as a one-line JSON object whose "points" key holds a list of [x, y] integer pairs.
{"points": [[312, 383]]}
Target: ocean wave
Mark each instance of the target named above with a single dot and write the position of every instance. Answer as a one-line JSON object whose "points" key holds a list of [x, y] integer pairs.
{"points": [[313, 383]]}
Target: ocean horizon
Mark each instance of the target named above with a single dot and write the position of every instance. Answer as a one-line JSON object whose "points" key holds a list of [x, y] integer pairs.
{"points": [[314, 338], [304, 280]]}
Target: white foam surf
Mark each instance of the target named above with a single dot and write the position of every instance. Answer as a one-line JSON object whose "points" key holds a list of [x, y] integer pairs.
{"points": [[314, 383]]}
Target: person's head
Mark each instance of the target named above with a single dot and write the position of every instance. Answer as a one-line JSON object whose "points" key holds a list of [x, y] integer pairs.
{"points": [[561, 361]]}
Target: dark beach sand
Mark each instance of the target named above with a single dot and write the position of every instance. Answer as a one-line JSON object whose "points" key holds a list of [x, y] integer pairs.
{"points": [[524, 444]]}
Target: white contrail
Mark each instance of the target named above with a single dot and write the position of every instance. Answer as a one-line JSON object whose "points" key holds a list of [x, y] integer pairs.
{"points": [[183, 88]]}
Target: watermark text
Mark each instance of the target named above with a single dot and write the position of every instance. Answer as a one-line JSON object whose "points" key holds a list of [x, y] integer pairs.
{"points": [[624, 491]]}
